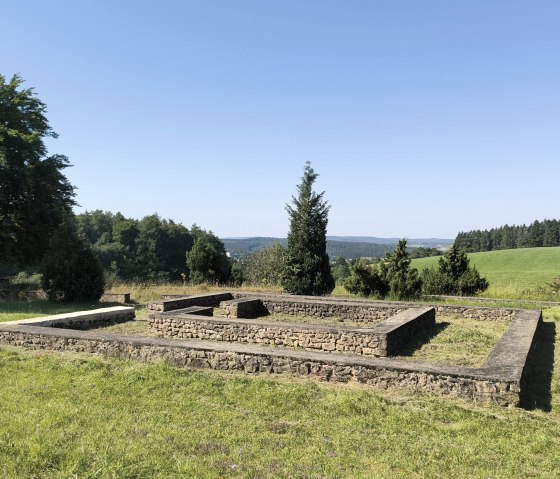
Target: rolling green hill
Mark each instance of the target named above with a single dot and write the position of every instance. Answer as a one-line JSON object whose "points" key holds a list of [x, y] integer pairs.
{"points": [[519, 268]]}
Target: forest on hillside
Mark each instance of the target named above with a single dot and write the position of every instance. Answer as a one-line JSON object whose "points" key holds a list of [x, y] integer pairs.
{"points": [[239, 248], [537, 234]]}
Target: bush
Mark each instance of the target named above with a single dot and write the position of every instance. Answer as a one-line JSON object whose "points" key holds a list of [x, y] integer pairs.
{"points": [[71, 272], [403, 281], [436, 282], [365, 280], [391, 276], [453, 276]]}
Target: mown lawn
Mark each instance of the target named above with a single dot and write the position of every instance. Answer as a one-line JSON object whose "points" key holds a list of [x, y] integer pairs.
{"points": [[66, 416]]}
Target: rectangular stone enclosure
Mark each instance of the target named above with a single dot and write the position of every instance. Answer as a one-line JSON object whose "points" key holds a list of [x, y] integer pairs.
{"points": [[381, 340], [501, 379]]}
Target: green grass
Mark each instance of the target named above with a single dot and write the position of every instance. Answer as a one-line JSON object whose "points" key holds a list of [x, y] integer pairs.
{"points": [[456, 341], [71, 416], [512, 273], [66, 415]]}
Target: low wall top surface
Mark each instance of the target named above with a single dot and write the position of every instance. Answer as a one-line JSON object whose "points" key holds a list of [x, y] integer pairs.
{"points": [[180, 302], [512, 350], [90, 315], [250, 349], [404, 317]]}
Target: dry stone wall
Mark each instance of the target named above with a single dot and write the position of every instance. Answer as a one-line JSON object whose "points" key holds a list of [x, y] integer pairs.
{"points": [[468, 383], [369, 311], [242, 308], [180, 302], [384, 339]]}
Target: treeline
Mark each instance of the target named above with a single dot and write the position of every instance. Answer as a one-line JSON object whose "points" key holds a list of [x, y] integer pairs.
{"points": [[152, 249], [538, 233]]}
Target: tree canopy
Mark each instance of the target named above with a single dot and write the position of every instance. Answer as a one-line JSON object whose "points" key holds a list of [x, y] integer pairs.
{"points": [[35, 195], [148, 249], [70, 271], [207, 260], [307, 269]]}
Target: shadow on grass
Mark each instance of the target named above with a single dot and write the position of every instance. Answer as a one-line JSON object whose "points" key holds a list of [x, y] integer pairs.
{"points": [[422, 338], [536, 393]]}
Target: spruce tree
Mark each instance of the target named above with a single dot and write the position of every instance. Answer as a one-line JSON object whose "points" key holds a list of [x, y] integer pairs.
{"points": [[307, 269]]}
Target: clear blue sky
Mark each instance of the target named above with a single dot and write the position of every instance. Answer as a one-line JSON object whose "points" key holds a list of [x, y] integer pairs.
{"points": [[423, 118]]}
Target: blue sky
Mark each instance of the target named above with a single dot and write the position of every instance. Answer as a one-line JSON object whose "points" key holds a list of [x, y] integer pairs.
{"points": [[423, 118]]}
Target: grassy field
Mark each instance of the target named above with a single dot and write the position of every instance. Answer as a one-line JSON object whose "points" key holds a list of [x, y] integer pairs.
{"points": [[66, 416], [512, 273]]}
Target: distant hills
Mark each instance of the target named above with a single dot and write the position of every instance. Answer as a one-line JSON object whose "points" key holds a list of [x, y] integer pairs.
{"points": [[412, 242], [349, 247]]}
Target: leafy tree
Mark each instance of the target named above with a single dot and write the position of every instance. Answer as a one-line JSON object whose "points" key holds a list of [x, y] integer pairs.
{"points": [[149, 249], [340, 270], [453, 275], [264, 267], [71, 272], [34, 194], [236, 277], [403, 281], [207, 260], [307, 269]]}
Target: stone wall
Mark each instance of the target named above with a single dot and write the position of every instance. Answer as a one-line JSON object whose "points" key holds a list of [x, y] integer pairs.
{"points": [[468, 383], [242, 308], [383, 340], [368, 311], [115, 298], [403, 328], [181, 302]]}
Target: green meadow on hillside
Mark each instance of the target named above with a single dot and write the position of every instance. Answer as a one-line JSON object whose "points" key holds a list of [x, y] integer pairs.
{"points": [[511, 269]]}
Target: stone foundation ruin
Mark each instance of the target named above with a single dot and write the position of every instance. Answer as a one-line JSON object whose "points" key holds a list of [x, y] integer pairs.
{"points": [[245, 341]]}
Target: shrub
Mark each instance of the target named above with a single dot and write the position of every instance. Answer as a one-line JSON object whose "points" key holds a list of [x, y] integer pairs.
{"points": [[71, 272], [365, 280], [453, 275], [403, 281]]}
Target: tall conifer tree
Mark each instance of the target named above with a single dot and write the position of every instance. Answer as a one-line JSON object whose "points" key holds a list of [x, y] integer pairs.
{"points": [[307, 269]]}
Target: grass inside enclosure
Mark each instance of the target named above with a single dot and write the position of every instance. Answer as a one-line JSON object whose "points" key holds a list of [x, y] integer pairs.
{"points": [[135, 328], [453, 341], [330, 321], [456, 341]]}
